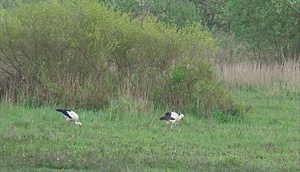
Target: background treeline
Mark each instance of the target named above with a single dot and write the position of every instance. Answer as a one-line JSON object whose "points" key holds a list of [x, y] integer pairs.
{"points": [[264, 30], [81, 54], [268, 29]]}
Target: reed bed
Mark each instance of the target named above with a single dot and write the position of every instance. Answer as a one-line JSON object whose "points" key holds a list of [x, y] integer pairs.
{"points": [[243, 74]]}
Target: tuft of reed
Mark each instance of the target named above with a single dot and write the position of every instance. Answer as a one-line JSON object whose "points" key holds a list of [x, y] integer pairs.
{"points": [[261, 74]]}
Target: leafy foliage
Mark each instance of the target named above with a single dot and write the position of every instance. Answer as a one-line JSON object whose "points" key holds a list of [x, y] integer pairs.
{"points": [[270, 27], [212, 14], [81, 54], [179, 12]]}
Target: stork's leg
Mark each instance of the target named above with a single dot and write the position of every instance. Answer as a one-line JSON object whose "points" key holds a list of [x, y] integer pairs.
{"points": [[178, 127], [62, 125]]}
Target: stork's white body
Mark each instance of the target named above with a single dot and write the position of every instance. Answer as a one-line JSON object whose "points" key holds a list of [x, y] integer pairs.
{"points": [[172, 118], [70, 116], [73, 115]]}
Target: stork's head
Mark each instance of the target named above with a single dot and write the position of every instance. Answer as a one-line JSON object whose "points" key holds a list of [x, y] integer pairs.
{"points": [[78, 123], [181, 116]]}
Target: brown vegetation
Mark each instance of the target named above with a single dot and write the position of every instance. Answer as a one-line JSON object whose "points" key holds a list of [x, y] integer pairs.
{"points": [[240, 74]]}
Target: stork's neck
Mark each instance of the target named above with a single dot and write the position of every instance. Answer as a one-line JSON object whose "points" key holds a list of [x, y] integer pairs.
{"points": [[181, 116]]}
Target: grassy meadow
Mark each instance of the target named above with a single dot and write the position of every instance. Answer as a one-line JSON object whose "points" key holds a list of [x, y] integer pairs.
{"points": [[122, 71], [267, 139]]}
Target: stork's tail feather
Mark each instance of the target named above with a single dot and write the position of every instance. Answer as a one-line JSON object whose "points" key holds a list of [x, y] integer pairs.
{"points": [[63, 110], [163, 118], [60, 110]]}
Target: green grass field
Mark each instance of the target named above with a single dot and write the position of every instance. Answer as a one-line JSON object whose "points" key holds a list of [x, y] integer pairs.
{"points": [[267, 139]]}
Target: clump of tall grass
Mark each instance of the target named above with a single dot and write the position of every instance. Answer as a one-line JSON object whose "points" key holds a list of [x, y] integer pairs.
{"points": [[247, 74], [120, 107]]}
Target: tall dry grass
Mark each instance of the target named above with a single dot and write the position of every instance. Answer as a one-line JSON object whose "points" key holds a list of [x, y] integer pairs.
{"points": [[241, 74]]}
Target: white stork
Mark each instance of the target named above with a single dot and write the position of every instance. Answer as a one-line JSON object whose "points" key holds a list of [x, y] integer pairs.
{"points": [[70, 116], [172, 118]]}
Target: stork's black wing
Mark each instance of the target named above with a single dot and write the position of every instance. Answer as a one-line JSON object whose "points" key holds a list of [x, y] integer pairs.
{"points": [[167, 117], [64, 112]]}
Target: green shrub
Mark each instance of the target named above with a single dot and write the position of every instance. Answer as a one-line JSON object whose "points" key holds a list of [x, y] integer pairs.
{"points": [[80, 54]]}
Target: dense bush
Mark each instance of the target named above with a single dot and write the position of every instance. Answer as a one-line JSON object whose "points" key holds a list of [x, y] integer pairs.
{"points": [[81, 54]]}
